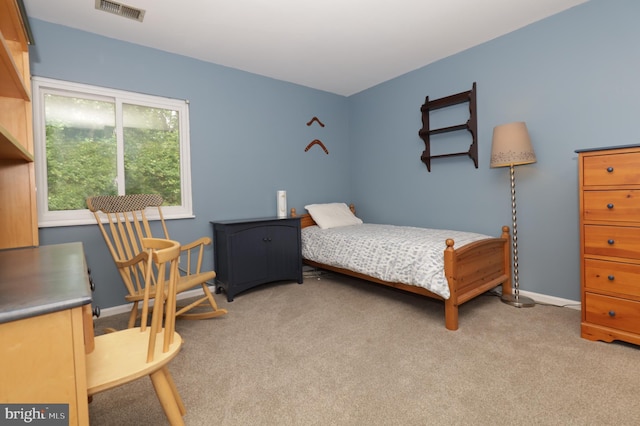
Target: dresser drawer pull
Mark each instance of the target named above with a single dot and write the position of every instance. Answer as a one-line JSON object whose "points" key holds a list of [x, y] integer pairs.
{"points": [[611, 242], [610, 169], [612, 313], [611, 277], [610, 206]]}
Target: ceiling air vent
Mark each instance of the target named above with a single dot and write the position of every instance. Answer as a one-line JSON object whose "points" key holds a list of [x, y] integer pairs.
{"points": [[120, 9]]}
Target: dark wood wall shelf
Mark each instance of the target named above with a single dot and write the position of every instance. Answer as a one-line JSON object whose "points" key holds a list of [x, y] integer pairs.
{"points": [[471, 125]]}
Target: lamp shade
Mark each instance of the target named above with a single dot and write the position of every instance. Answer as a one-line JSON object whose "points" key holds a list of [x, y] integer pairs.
{"points": [[511, 145]]}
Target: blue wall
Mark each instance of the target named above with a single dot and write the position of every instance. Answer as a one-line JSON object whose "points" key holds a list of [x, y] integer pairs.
{"points": [[573, 78], [248, 135]]}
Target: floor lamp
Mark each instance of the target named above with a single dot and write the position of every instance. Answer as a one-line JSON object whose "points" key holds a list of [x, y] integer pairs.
{"points": [[511, 146]]}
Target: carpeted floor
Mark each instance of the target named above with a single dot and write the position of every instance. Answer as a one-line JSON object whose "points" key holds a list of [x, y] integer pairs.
{"points": [[340, 351]]}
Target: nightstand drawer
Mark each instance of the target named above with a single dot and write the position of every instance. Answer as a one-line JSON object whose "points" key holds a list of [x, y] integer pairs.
{"points": [[615, 277], [614, 241], [620, 314], [615, 206], [613, 169]]}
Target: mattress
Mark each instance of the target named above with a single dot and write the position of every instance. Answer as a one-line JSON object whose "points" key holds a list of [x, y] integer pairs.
{"points": [[402, 254]]}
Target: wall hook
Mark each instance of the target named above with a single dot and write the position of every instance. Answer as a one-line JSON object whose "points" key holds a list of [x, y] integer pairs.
{"points": [[316, 120], [317, 142]]}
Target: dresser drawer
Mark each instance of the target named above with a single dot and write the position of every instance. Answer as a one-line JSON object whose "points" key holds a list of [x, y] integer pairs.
{"points": [[620, 314], [616, 277], [615, 241], [615, 206], [613, 169]]}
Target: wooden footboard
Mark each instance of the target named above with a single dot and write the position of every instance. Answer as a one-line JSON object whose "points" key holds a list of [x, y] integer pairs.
{"points": [[474, 269], [471, 270]]}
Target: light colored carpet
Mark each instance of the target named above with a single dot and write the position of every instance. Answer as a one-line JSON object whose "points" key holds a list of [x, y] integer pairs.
{"points": [[340, 351]]}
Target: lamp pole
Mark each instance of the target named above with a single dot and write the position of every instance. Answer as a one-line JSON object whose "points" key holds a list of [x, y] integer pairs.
{"points": [[515, 299]]}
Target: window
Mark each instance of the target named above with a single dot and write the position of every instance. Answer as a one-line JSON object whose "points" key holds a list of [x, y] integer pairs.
{"points": [[96, 141]]}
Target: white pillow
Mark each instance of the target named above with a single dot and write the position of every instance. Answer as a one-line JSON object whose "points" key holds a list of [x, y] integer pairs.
{"points": [[332, 215]]}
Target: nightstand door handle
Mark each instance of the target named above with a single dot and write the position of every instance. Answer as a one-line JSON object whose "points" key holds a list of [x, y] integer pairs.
{"points": [[611, 242], [610, 169], [611, 277], [610, 206], [266, 239], [612, 313]]}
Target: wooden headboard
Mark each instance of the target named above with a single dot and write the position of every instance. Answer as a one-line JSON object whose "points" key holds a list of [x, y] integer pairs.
{"points": [[307, 220]]}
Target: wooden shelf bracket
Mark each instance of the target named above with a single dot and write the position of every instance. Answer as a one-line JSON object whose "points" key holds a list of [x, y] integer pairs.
{"points": [[471, 125]]}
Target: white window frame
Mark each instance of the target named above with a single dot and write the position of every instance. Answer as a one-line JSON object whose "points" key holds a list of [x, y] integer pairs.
{"points": [[42, 86]]}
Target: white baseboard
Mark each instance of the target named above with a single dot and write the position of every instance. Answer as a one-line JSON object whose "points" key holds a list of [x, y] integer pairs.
{"points": [[121, 309], [551, 300], [540, 298]]}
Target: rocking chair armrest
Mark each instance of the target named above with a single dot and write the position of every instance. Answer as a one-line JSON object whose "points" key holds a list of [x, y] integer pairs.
{"points": [[191, 262], [200, 242], [143, 255]]}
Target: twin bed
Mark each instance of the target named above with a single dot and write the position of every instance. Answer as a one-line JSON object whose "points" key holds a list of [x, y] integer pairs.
{"points": [[418, 260]]}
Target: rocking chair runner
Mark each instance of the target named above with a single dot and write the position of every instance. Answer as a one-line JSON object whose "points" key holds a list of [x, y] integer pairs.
{"points": [[123, 222]]}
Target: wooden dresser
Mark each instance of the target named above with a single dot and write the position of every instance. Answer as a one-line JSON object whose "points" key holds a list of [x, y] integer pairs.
{"points": [[609, 185]]}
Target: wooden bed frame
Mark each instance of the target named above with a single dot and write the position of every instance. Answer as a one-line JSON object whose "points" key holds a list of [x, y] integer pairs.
{"points": [[471, 270]]}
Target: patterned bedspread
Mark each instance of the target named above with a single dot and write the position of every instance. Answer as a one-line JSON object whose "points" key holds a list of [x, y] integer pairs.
{"points": [[403, 254]]}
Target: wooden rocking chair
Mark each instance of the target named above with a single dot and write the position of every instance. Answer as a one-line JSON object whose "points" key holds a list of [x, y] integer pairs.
{"points": [[123, 222], [126, 355]]}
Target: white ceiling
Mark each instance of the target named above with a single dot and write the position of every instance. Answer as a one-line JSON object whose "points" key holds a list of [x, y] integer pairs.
{"points": [[339, 46]]}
